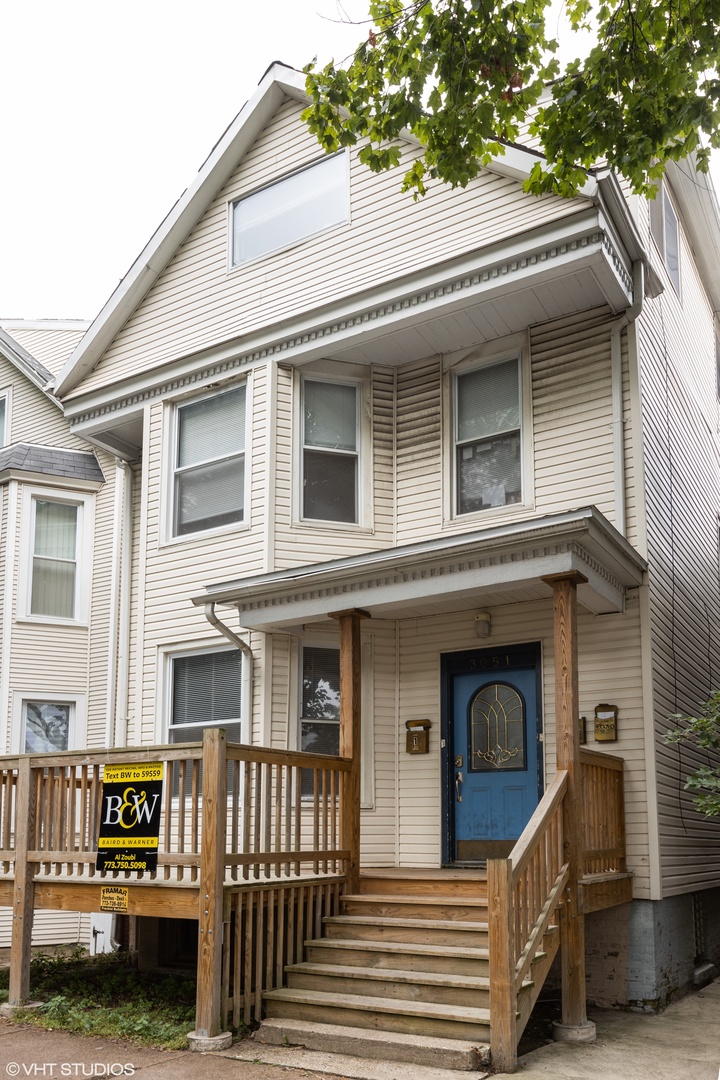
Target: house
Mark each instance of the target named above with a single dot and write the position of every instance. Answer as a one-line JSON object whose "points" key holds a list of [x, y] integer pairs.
{"points": [[415, 487], [55, 596]]}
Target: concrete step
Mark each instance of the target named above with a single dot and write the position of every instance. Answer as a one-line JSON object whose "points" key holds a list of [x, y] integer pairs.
{"points": [[380, 1014], [417, 931], [403, 956], [438, 987], [424, 1052], [400, 905]]}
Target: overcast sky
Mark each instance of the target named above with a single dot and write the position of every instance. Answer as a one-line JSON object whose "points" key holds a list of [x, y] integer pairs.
{"points": [[108, 109]]}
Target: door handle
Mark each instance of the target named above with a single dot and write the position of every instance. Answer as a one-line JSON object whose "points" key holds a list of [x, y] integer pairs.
{"points": [[458, 786]]}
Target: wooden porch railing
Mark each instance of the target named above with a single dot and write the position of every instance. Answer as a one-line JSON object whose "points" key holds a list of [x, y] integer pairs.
{"points": [[249, 835], [526, 891]]}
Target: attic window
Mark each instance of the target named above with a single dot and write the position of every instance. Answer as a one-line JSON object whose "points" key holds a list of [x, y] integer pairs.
{"points": [[666, 233], [300, 205]]}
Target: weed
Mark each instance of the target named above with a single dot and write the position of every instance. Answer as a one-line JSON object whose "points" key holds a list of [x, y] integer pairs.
{"points": [[107, 996]]}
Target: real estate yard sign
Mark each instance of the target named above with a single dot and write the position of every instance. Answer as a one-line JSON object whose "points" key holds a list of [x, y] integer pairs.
{"points": [[130, 817]]}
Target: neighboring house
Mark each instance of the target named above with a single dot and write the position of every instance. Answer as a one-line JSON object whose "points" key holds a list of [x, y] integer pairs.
{"points": [[55, 580], [331, 397]]}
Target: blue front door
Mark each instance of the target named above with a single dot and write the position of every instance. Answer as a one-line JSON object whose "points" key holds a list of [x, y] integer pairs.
{"points": [[495, 779]]}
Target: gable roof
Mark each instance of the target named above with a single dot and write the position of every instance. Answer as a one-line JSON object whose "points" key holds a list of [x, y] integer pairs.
{"points": [[51, 341], [279, 83], [31, 368]]}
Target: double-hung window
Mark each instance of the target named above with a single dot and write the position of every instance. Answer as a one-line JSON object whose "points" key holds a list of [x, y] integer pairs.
{"points": [[666, 233], [294, 208], [206, 691], [209, 473], [330, 461], [54, 574], [488, 442]]}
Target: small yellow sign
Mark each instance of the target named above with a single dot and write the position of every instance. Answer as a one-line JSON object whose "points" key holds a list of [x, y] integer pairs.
{"points": [[113, 898], [116, 774]]}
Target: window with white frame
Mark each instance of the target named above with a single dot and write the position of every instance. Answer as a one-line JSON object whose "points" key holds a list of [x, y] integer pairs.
{"points": [[205, 691], [330, 459], [209, 466], [46, 726], [320, 705], [488, 437], [666, 233], [54, 574], [4, 417], [294, 208]]}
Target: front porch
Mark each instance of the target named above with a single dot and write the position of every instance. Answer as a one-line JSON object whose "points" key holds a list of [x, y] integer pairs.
{"points": [[271, 876]]}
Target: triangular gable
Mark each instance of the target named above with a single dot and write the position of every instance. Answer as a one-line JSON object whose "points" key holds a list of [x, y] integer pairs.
{"points": [[278, 84], [31, 368]]}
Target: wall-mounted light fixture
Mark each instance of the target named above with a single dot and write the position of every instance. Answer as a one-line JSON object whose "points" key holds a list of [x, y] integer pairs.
{"points": [[482, 624], [606, 723]]}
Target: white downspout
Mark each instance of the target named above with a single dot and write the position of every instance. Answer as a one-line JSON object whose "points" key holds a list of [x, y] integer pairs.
{"points": [[123, 679], [116, 701], [618, 421], [247, 669]]}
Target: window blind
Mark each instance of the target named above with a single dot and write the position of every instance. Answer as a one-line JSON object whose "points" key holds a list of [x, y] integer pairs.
{"points": [[488, 401]]}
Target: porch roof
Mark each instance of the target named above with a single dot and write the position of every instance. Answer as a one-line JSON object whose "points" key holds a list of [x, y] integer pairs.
{"points": [[488, 567]]}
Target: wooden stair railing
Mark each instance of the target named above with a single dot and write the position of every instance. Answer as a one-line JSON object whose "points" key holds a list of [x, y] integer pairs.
{"points": [[524, 892]]}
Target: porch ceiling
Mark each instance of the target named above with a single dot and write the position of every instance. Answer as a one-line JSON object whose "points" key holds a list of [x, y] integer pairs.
{"points": [[486, 568]]}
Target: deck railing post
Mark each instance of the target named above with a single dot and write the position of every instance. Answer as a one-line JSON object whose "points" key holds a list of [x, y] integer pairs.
{"points": [[575, 1025], [501, 944], [209, 1021], [350, 670], [21, 939]]}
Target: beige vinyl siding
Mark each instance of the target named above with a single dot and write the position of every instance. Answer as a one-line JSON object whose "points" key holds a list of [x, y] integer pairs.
{"points": [[172, 571], [419, 450], [49, 928], [300, 543], [51, 347], [572, 414], [34, 418], [197, 303], [679, 403]]}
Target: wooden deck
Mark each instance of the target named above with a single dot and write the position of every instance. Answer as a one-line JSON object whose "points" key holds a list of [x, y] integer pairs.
{"points": [[254, 845]]}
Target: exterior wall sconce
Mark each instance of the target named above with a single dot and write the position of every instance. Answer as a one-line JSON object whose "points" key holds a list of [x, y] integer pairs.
{"points": [[482, 624], [606, 723]]}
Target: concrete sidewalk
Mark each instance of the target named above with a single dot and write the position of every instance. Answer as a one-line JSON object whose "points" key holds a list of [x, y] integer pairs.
{"points": [[683, 1043]]}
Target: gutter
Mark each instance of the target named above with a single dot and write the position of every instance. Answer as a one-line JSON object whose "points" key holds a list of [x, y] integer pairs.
{"points": [[247, 669]]}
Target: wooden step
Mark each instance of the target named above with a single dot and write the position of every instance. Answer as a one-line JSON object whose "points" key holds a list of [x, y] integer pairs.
{"points": [[420, 931], [400, 905], [381, 1014], [439, 987], [403, 956], [418, 882]]}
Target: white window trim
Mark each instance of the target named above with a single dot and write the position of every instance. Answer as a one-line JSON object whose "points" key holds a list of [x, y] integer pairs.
{"points": [[365, 510], [661, 198], [517, 348], [166, 655], [78, 716], [169, 449], [367, 719], [84, 554], [233, 267], [6, 434]]}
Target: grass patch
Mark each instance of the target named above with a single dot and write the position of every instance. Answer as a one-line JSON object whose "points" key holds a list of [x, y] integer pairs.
{"points": [[107, 996]]}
